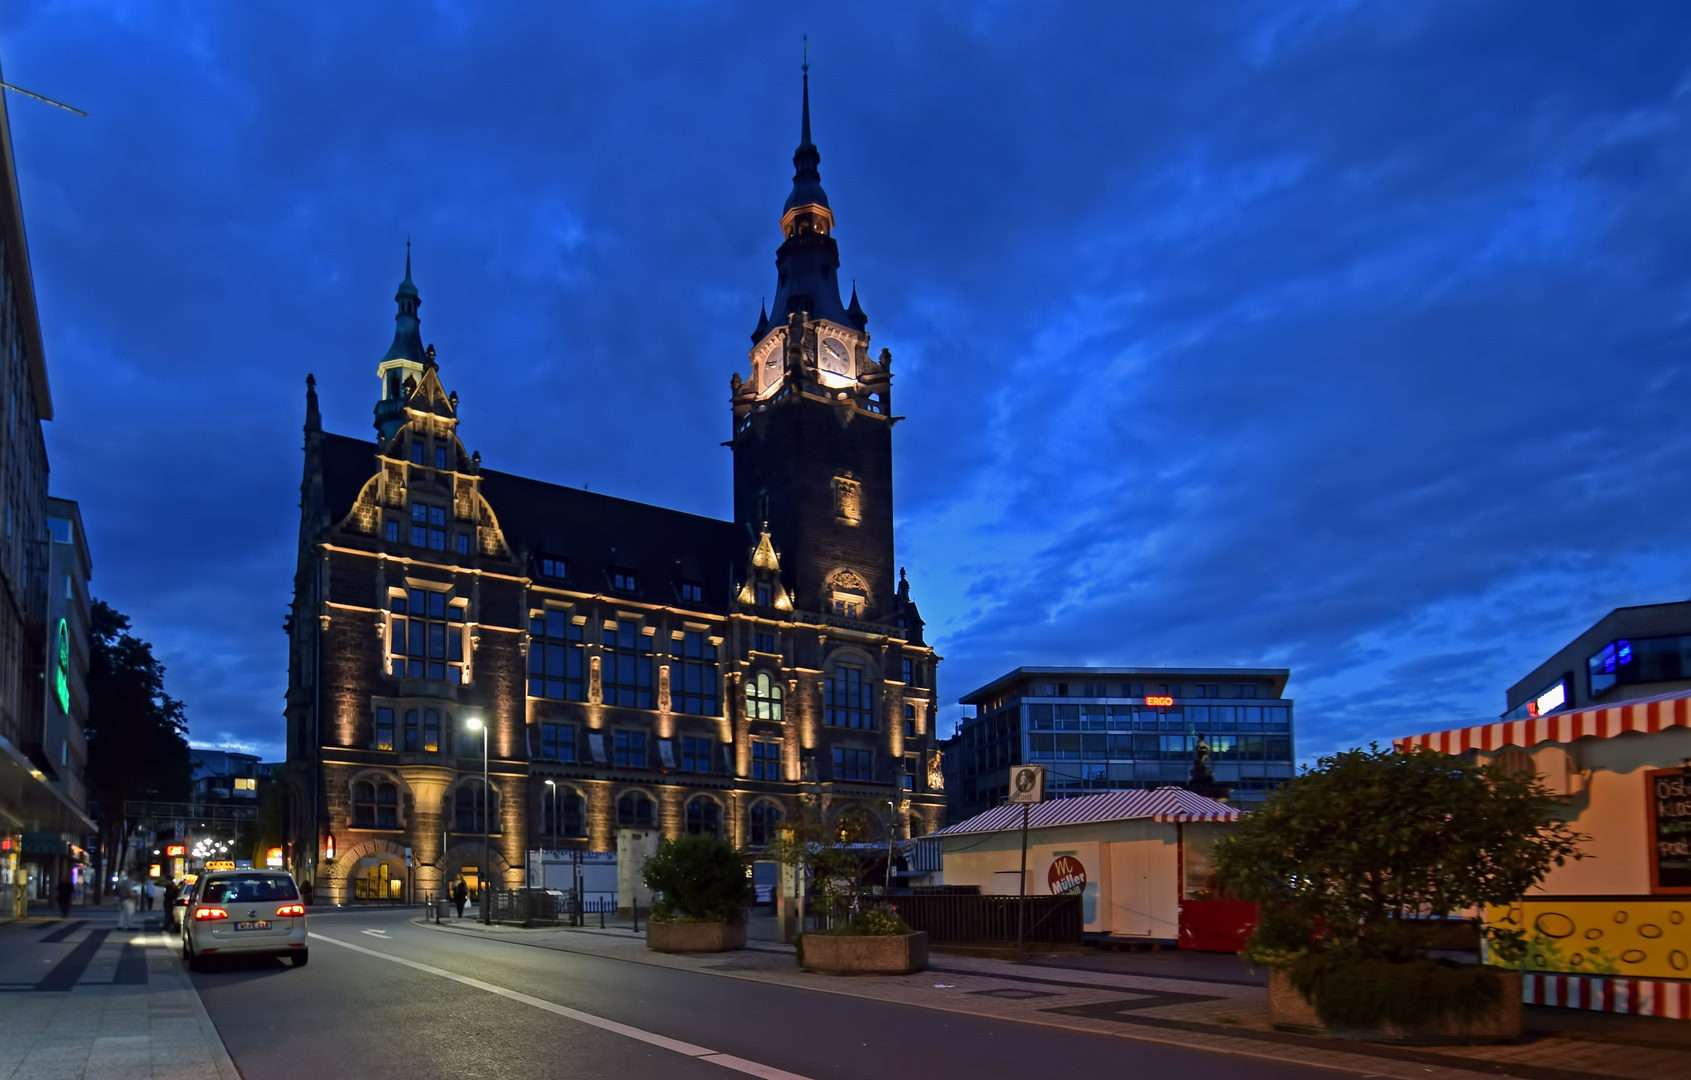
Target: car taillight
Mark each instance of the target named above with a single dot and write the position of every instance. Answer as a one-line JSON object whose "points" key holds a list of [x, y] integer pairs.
{"points": [[205, 913], [291, 909]]}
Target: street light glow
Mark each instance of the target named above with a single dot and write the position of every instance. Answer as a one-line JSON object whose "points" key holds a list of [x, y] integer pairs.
{"points": [[473, 723]]}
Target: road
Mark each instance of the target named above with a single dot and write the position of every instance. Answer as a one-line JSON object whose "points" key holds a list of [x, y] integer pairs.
{"points": [[383, 997]]}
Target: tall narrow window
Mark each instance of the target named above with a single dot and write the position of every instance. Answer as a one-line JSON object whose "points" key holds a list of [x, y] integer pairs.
{"points": [[431, 731], [387, 806], [384, 729], [627, 668], [556, 658], [364, 805], [763, 698], [693, 675], [411, 731], [562, 815], [467, 814], [764, 821], [848, 698], [440, 457]]}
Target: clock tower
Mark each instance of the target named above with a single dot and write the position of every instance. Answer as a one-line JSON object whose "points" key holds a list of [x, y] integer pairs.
{"points": [[813, 423]]}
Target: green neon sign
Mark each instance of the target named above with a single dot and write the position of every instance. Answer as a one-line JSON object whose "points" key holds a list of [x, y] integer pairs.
{"points": [[61, 671]]}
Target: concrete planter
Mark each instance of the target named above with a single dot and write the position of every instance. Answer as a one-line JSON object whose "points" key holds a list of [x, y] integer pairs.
{"points": [[1288, 1011], [895, 954], [695, 936]]}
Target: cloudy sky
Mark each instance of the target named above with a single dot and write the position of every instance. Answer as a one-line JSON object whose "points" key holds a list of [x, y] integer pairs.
{"points": [[1344, 336]]}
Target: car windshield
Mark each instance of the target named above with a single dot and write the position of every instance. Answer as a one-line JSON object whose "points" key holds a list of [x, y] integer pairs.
{"points": [[254, 888]]}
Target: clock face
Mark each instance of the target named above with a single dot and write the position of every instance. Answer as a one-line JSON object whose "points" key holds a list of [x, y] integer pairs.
{"points": [[766, 367], [836, 359]]}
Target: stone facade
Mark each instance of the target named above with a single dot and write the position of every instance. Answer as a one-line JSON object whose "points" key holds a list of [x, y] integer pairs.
{"points": [[628, 665]]}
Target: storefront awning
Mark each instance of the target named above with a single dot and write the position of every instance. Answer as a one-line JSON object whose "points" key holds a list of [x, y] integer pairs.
{"points": [[1161, 804], [1597, 722]]}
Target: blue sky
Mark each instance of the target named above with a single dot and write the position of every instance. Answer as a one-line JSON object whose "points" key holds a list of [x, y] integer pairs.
{"points": [[1344, 336]]}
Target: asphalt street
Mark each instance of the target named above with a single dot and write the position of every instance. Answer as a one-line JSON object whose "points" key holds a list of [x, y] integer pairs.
{"points": [[383, 997]]}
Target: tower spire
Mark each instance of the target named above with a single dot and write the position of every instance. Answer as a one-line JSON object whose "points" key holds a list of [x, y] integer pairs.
{"points": [[804, 124], [406, 359]]}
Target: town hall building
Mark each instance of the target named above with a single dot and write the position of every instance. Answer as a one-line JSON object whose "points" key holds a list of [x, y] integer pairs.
{"points": [[628, 666]]}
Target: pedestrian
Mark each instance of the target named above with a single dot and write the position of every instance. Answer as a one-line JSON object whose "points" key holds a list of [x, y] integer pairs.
{"points": [[125, 904], [171, 892], [149, 892], [66, 891], [460, 894]]}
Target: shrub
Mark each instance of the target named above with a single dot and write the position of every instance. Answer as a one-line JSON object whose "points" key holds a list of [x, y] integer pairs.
{"points": [[698, 879], [1355, 858]]}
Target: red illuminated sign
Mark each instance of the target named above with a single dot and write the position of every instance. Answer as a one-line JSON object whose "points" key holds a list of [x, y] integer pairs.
{"points": [[1159, 701], [175, 851]]}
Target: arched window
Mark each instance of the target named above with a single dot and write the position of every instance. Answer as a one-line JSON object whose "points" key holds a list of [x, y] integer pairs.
{"points": [[635, 810], [563, 814], [467, 808], [375, 805], [763, 698], [364, 805], [763, 821], [704, 816]]}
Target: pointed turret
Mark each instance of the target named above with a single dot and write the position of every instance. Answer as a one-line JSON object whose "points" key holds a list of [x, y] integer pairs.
{"points": [[762, 323], [313, 417], [854, 310], [809, 259], [405, 360]]}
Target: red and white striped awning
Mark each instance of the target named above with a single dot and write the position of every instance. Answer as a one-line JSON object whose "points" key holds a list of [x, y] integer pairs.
{"points": [[1160, 804], [1598, 722]]}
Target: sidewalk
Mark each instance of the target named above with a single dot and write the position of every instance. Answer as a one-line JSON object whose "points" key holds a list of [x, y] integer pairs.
{"points": [[85, 1000], [1176, 1008]]}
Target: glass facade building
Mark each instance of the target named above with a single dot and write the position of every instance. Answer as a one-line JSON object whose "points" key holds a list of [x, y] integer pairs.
{"points": [[1109, 729]]}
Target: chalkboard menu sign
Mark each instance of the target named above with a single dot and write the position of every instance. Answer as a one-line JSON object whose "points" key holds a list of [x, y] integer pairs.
{"points": [[1668, 792]]}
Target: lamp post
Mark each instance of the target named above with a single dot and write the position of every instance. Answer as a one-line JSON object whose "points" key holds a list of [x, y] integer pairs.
{"points": [[475, 723], [551, 828]]}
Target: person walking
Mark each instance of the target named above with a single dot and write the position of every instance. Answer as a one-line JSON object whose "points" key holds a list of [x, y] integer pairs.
{"points": [[460, 894], [149, 892], [66, 892], [126, 904], [171, 892]]}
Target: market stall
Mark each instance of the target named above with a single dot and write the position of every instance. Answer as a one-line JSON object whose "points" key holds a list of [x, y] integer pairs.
{"points": [[1611, 931], [1139, 860]]}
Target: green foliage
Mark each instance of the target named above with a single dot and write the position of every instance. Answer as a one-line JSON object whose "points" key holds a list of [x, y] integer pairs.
{"points": [[879, 921], [137, 733], [698, 878], [1351, 853], [1358, 993]]}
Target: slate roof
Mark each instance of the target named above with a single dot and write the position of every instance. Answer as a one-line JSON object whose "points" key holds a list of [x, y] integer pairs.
{"points": [[593, 532], [1159, 804]]}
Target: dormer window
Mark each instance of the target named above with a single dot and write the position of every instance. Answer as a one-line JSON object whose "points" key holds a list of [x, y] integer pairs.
{"points": [[554, 567], [624, 580], [692, 592], [763, 596]]}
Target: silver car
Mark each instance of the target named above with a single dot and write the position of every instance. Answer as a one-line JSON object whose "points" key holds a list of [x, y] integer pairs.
{"points": [[244, 912]]}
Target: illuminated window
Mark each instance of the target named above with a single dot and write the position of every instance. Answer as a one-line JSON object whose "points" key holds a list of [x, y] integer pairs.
{"points": [[693, 675], [431, 731], [246, 783], [556, 658], [426, 636], [848, 698], [763, 698], [704, 816], [766, 760], [384, 729], [626, 669]]}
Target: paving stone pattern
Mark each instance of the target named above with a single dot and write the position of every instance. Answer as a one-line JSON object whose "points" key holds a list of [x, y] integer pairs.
{"points": [[1222, 1017], [85, 1000]]}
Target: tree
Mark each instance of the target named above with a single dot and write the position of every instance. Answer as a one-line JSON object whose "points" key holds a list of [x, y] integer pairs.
{"points": [[137, 733], [698, 878], [1353, 858]]}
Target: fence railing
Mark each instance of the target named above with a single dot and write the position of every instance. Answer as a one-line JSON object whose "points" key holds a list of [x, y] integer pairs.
{"points": [[963, 918]]}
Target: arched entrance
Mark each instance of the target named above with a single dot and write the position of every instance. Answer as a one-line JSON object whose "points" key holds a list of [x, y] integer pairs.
{"points": [[379, 878]]}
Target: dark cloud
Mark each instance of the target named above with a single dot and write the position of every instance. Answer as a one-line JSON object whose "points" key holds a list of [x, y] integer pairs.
{"points": [[1344, 336]]}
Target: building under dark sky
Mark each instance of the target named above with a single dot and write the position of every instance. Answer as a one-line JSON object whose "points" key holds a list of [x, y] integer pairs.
{"points": [[629, 666]]}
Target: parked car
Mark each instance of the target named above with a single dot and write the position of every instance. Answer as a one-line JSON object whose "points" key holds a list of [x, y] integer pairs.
{"points": [[245, 913]]}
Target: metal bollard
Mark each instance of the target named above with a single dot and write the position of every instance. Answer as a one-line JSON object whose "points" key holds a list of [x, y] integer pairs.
{"points": [[601, 914]]}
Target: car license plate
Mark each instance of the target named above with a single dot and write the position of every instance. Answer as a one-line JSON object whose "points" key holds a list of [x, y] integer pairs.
{"points": [[252, 926]]}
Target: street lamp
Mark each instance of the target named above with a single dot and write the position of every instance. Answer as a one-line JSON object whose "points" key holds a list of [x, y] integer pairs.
{"points": [[474, 723]]}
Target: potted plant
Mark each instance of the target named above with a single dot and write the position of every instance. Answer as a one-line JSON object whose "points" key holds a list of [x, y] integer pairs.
{"points": [[874, 941], [701, 892], [1361, 862]]}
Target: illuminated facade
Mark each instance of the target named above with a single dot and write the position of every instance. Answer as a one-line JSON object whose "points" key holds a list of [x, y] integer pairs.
{"points": [[632, 667]]}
